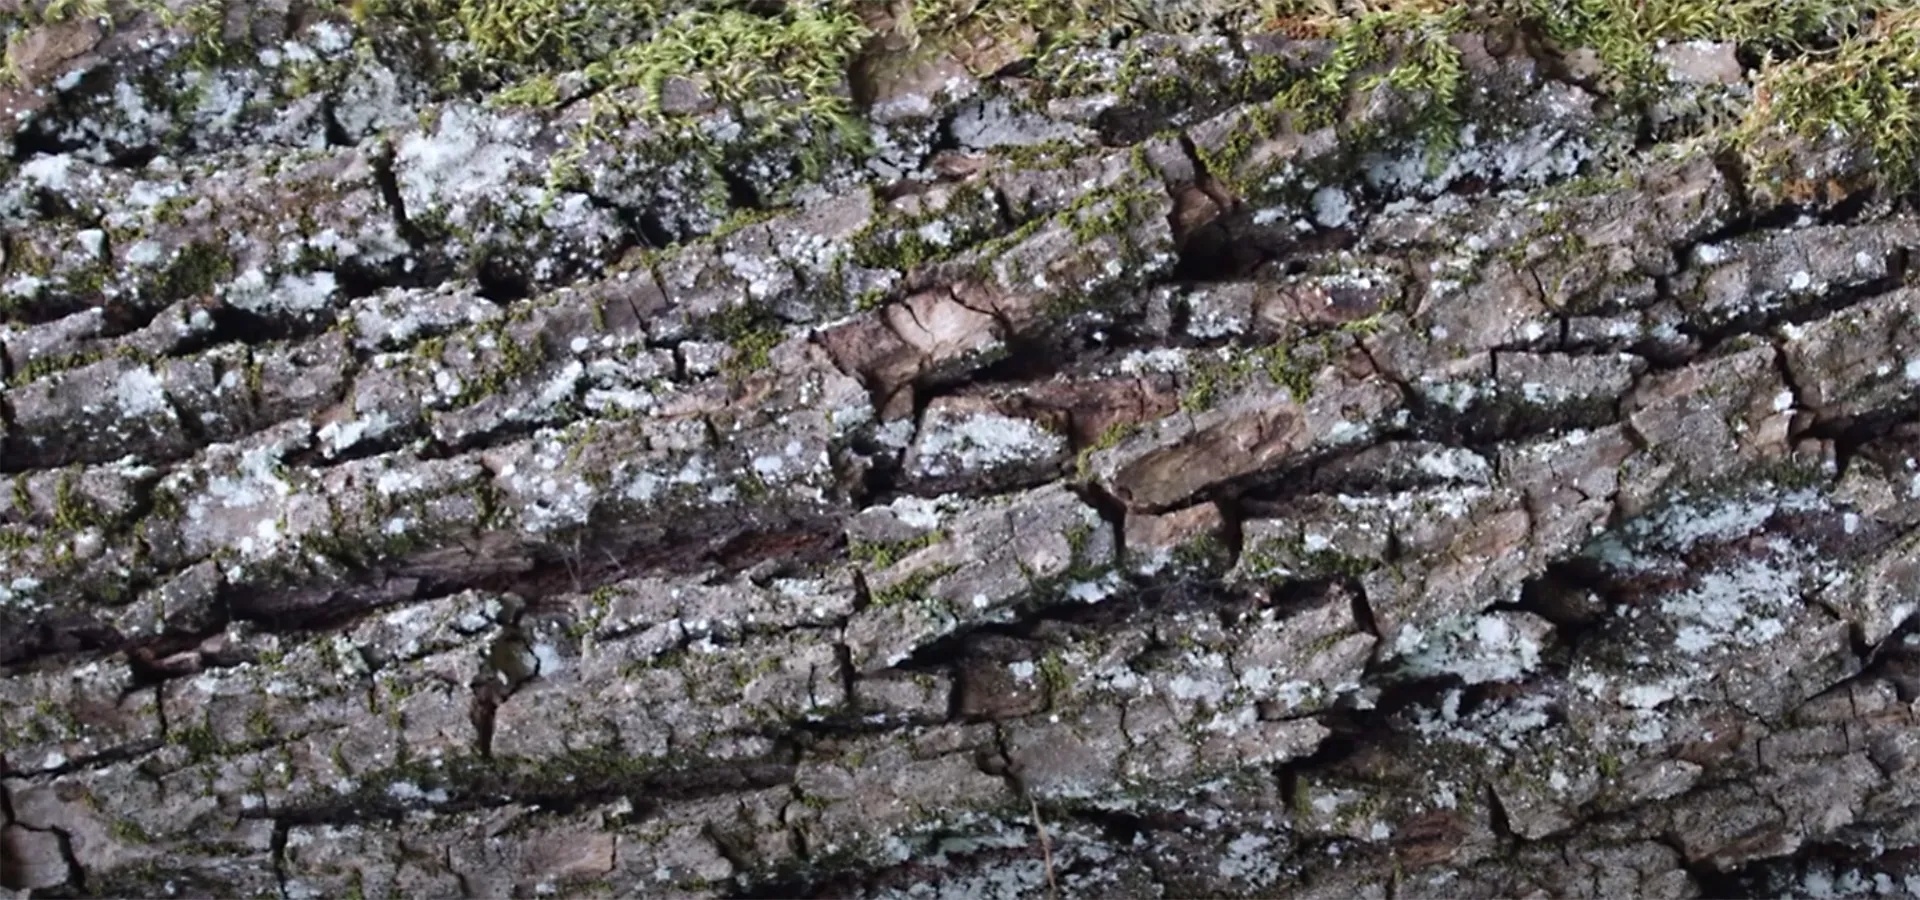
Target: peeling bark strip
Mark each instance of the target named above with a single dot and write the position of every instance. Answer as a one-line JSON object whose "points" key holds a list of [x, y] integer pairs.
{"points": [[1129, 450]]}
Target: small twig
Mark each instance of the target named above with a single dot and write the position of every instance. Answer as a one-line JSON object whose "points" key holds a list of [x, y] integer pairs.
{"points": [[1046, 850], [619, 568]]}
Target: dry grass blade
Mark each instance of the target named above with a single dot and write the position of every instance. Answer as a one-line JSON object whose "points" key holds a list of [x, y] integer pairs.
{"points": [[1046, 850]]}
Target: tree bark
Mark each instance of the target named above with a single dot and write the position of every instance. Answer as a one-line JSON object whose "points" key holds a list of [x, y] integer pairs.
{"points": [[1126, 488]]}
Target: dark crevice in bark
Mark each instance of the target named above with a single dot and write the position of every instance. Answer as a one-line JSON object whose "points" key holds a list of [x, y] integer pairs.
{"points": [[1571, 594], [336, 133], [500, 281], [388, 181], [279, 850], [1714, 340], [559, 786]]}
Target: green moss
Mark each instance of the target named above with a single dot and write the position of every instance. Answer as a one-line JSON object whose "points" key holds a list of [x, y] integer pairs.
{"points": [[913, 587], [1262, 561], [166, 503], [744, 675], [779, 67], [1291, 365], [1078, 537], [23, 257], [200, 741], [1284, 369], [1212, 378], [902, 241], [1203, 552], [1056, 675], [59, 715], [260, 725], [539, 90], [127, 831], [339, 757], [1204, 386], [1625, 33], [882, 554], [71, 510], [194, 272], [751, 487], [1108, 439], [433, 349], [172, 209], [1834, 69], [1337, 564], [510, 360], [1098, 215], [72, 10], [752, 334], [665, 659], [1407, 46], [1862, 94]]}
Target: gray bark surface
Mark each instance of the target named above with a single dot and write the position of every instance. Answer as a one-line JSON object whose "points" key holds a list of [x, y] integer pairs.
{"points": [[1080, 493]]}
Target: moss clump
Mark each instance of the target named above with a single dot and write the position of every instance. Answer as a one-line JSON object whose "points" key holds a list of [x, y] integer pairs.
{"points": [[70, 10], [72, 511], [1206, 384], [260, 725], [1056, 675], [751, 487], [882, 554], [194, 272], [752, 334], [1413, 42], [1108, 439], [913, 587], [1832, 69], [1861, 93], [1284, 368], [1098, 215], [901, 241], [510, 360], [43, 366], [775, 64], [1202, 553], [127, 831], [1282, 363], [200, 741], [1406, 45], [1625, 33]]}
